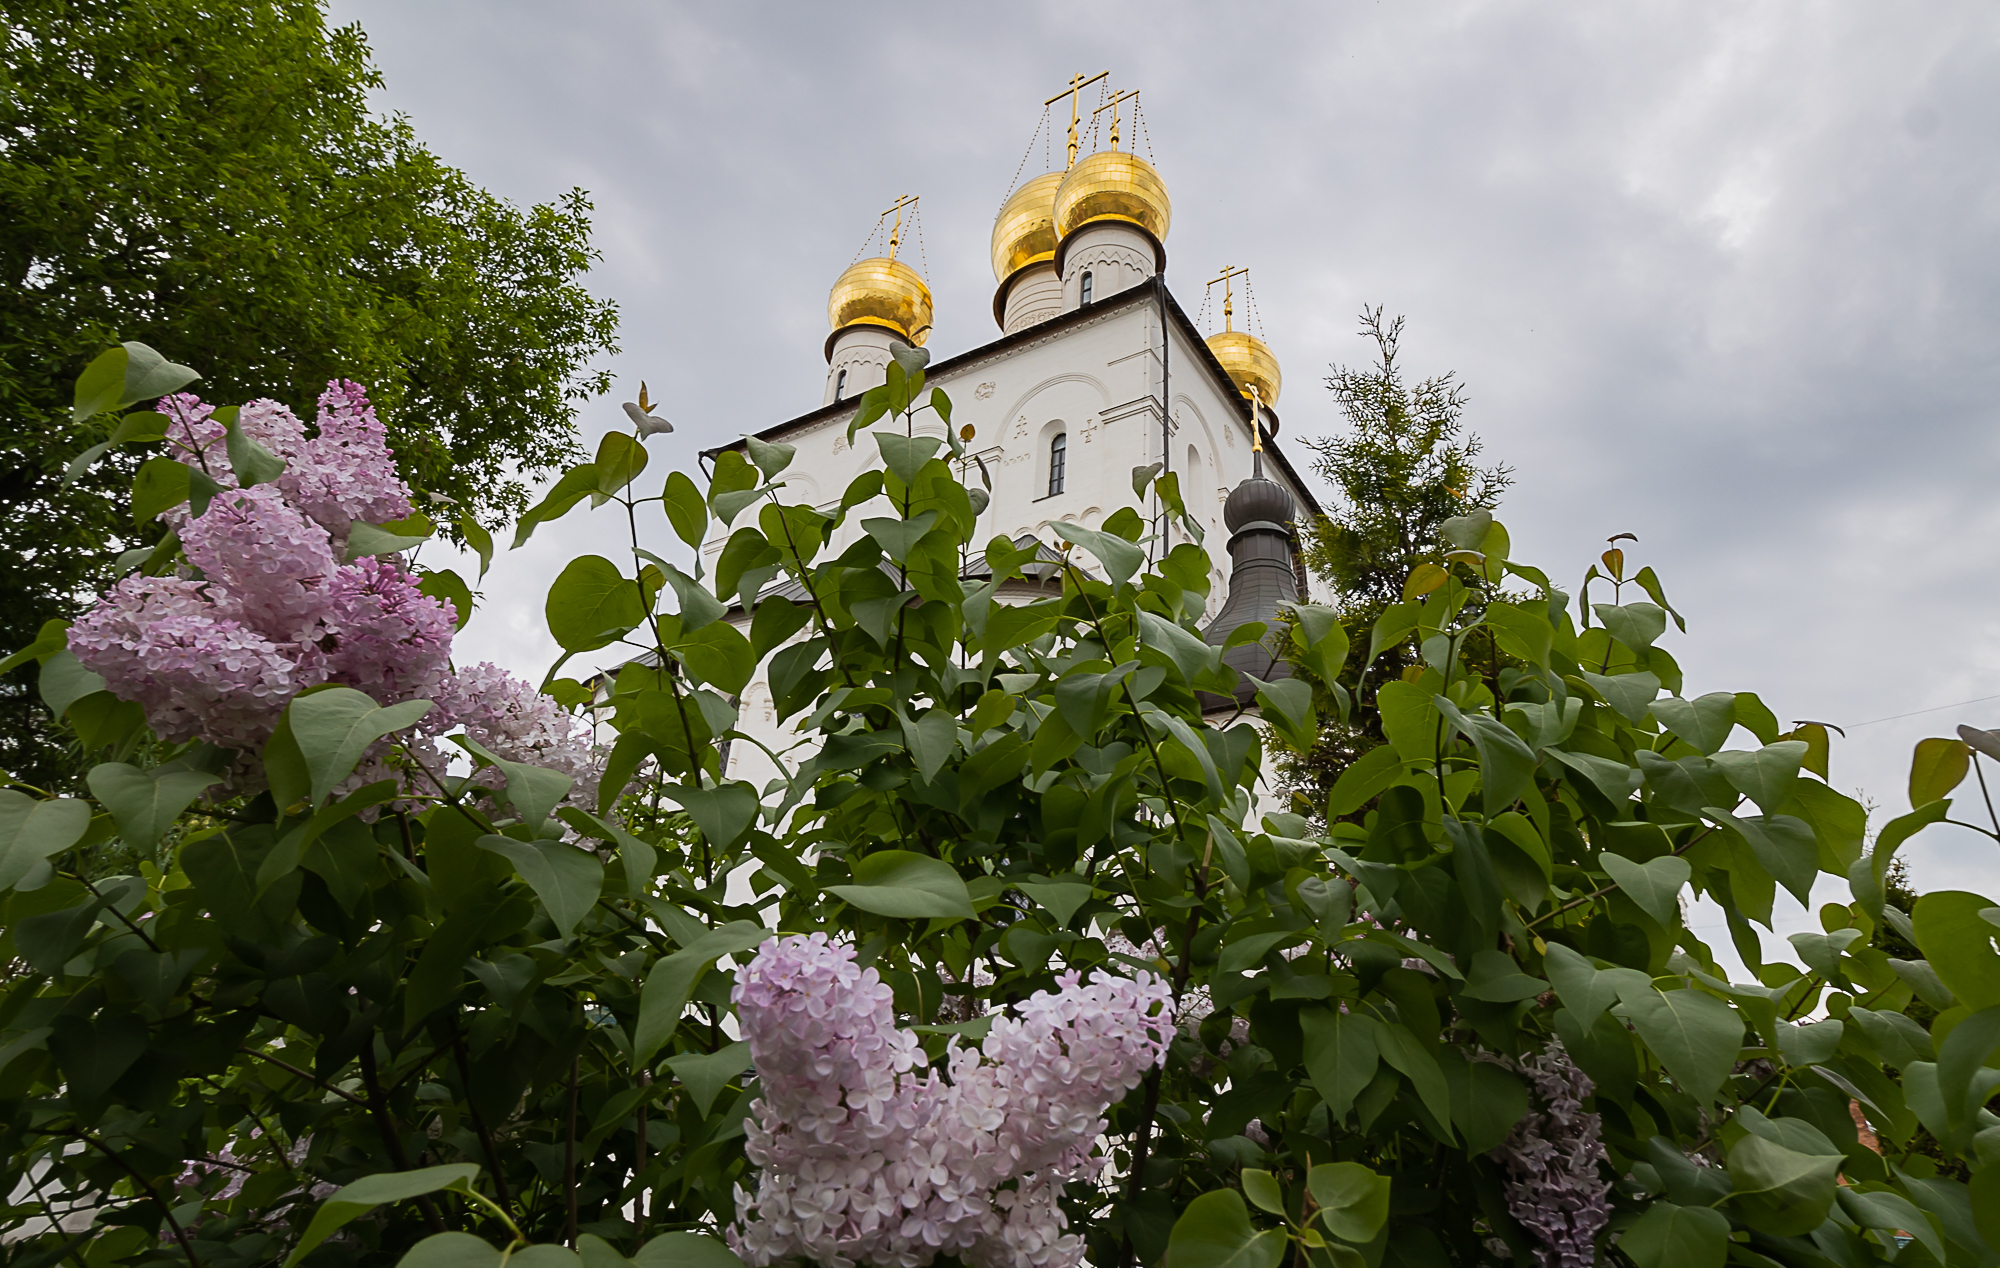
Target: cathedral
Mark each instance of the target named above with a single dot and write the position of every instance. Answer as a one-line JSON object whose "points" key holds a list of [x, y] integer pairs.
{"points": [[1096, 370]]}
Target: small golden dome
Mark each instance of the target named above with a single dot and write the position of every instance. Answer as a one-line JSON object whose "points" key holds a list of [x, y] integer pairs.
{"points": [[1024, 232], [1249, 363], [1113, 185], [881, 292]]}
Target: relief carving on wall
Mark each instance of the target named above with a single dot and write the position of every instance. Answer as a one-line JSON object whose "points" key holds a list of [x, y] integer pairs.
{"points": [[984, 391]]}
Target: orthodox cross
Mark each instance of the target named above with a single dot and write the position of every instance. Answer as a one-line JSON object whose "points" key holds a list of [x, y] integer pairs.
{"points": [[1228, 301], [1077, 83], [1112, 106], [896, 231]]}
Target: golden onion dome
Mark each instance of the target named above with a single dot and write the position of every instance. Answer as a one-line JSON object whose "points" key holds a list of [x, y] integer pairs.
{"points": [[1249, 363], [1024, 232], [1113, 185], [881, 292]]}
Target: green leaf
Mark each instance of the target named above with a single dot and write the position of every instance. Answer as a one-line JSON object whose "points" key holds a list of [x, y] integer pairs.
{"points": [[671, 981], [685, 1250], [64, 681], [1393, 626], [1785, 846], [906, 455], [898, 537], [1704, 723], [620, 459], [447, 586], [723, 814], [591, 604], [146, 802], [1378, 768], [704, 1075], [1320, 640], [1779, 1190], [1520, 632], [1655, 884], [364, 540], [1636, 625], [718, 655], [1506, 763], [1061, 896], [33, 830], [906, 885], [577, 483], [686, 511], [252, 463], [53, 637], [1586, 990], [697, 606], [1261, 1187], [533, 791], [334, 727], [1894, 1213], [1695, 1036], [1497, 979], [161, 484], [1353, 1201], [450, 1250], [1899, 830], [369, 1192], [1937, 767], [770, 458], [566, 879], [1400, 1049], [1215, 1232], [1959, 945], [1288, 708], [1767, 775], [1630, 695], [1486, 1100], [479, 539], [100, 385], [931, 740], [1669, 1236], [1120, 558]]}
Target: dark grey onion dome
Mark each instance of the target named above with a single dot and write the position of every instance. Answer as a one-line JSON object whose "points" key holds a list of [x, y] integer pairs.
{"points": [[1257, 499], [1262, 583]]}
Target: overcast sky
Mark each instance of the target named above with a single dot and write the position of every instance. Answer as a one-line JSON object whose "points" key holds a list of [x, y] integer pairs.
{"points": [[1725, 276]]}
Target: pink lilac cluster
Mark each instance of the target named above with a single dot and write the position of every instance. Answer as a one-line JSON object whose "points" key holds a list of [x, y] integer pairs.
{"points": [[266, 607], [1555, 1164], [865, 1161]]}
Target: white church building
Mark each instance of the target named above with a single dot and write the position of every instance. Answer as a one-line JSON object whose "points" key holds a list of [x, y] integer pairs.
{"points": [[1096, 370]]}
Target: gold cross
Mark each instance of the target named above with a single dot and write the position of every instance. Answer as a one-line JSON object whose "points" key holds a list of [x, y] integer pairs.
{"points": [[896, 232], [1228, 301], [1112, 106], [1077, 83]]}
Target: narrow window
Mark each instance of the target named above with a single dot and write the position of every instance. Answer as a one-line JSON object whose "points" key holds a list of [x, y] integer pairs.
{"points": [[1086, 286], [840, 385], [1058, 459]]}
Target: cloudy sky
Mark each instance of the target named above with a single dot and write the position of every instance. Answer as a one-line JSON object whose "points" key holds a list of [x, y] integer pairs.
{"points": [[1721, 275]]}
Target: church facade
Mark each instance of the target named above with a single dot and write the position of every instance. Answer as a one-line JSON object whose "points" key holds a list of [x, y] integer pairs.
{"points": [[1096, 370]]}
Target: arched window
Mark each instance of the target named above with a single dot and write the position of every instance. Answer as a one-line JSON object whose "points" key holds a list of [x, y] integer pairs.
{"points": [[1058, 459], [1086, 286], [840, 385]]}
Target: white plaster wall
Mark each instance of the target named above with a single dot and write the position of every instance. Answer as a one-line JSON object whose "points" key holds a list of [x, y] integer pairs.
{"points": [[1118, 256], [863, 353], [1035, 296]]}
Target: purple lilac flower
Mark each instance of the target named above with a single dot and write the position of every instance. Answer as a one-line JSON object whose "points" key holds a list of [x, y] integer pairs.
{"points": [[1557, 1189], [864, 1161]]}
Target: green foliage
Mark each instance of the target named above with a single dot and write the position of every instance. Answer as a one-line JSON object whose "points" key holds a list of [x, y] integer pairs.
{"points": [[209, 178], [499, 1022]]}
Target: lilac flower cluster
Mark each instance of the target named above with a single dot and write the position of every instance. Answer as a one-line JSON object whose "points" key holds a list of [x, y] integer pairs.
{"points": [[265, 607], [865, 1162], [1554, 1159]]}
